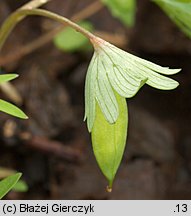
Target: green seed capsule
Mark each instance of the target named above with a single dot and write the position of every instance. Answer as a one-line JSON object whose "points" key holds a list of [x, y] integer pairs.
{"points": [[109, 140]]}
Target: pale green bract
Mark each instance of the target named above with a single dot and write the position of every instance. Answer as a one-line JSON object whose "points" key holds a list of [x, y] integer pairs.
{"points": [[179, 11], [114, 69]]}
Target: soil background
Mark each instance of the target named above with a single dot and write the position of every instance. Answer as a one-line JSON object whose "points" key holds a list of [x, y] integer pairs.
{"points": [[53, 148]]}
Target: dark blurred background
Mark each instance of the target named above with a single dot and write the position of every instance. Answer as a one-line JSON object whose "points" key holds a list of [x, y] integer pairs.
{"points": [[53, 148]]}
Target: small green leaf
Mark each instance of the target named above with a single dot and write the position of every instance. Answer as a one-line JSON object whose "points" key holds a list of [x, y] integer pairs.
{"points": [[11, 109], [8, 183], [7, 77], [69, 40], [109, 140], [20, 186], [123, 9], [179, 12]]}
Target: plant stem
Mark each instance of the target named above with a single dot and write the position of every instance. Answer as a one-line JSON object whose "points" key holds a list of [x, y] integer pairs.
{"points": [[61, 19], [48, 37], [34, 4], [16, 17]]}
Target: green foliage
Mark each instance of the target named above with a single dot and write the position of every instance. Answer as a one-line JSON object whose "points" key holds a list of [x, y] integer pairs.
{"points": [[8, 183], [21, 186], [11, 109], [122, 9], [179, 11], [69, 40], [8, 107], [7, 77], [109, 140]]}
